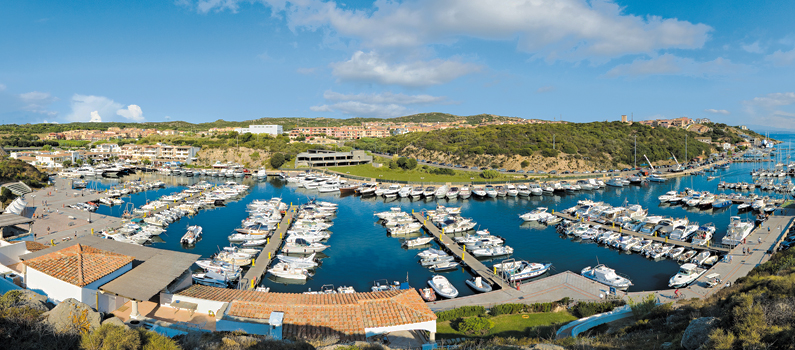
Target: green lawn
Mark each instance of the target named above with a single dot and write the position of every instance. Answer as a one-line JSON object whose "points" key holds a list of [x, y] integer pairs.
{"points": [[415, 175], [512, 325]]}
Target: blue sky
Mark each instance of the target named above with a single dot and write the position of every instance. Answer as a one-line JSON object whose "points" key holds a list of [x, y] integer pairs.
{"points": [[730, 61]]}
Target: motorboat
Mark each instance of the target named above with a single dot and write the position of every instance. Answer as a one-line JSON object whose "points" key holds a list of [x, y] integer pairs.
{"points": [[615, 182], [605, 275], [416, 192], [430, 191], [738, 231], [520, 270], [210, 279], [192, 235], [443, 287], [477, 284], [452, 193], [465, 192], [301, 246], [490, 191], [441, 192], [427, 294], [287, 271], [404, 192], [683, 232], [444, 266], [655, 178], [676, 252], [436, 259], [535, 215], [700, 258], [687, 274], [492, 251], [687, 256], [418, 242], [523, 190], [511, 190], [703, 234]]}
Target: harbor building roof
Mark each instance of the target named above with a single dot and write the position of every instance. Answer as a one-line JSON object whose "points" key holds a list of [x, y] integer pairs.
{"points": [[9, 219], [306, 315], [152, 269], [33, 246], [79, 265]]}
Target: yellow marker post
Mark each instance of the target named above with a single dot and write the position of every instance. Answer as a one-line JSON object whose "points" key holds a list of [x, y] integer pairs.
{"points": [[252, 284], [269, 255], [92, 231], [666, 239], [268, 241], [278, 225], [52, 242], [495, 270], [553, 212], [252, 262], [619, 229], [280, 235], [463, 252]]}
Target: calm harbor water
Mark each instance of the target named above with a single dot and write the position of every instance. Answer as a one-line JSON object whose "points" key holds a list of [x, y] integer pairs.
{"points": [[362, 252]]}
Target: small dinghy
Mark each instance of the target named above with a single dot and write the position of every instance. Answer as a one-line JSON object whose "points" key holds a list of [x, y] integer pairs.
{"points": [[427, 294], [478, 285]]}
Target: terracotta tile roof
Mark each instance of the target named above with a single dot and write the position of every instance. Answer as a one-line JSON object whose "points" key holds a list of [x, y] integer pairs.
{"points": [[79, 265], [33, 246], [310, 315]]}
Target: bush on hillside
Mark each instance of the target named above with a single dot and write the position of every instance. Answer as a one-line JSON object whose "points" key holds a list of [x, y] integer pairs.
{"points": [[277, 160], [475, 325], [585, 309]]}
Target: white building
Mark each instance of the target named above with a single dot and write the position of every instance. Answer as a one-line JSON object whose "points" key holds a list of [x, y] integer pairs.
{"points": [[77, 272], [107, 147], [273, 130]]}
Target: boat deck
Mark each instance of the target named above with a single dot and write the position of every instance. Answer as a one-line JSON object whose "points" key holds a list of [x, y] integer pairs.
{"points": [[254, 274], [608, 226], [467, 259]]}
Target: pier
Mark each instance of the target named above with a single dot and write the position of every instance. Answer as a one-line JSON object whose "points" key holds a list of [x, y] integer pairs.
{"points": [[467, 259], [254, 274], [608, 226]]}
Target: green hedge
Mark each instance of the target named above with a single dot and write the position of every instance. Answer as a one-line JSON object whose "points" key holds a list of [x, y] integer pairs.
{"points": [[464, 311], [585, 309], [506, 309]]}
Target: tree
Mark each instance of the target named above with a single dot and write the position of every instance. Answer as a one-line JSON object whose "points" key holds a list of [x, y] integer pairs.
{"points": [[525, 164], [277, 160], [146, 161], [67, 163]]}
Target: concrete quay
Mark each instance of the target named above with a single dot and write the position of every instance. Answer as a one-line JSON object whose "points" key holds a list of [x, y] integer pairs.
{"points": [[253, 276]]}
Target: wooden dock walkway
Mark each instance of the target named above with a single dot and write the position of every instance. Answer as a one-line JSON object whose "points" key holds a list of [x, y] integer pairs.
{"points": [[254, 274], [608, 226], [467, 259]]}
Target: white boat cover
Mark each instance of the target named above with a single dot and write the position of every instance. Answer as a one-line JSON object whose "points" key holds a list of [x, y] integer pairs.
{"points": [[16, 207]]}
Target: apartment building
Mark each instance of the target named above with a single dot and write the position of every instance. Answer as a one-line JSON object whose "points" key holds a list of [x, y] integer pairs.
{"points": [[159, 153], [273, 130]]}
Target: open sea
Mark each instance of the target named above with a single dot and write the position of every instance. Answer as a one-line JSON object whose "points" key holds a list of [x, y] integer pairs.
{"points": [[362, 252]]}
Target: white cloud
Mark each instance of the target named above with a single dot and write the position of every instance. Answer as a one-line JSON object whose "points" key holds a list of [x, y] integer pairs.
{"points": [[371, 67], [716, 111], [774, 100], [384, 98], [753, 48], [83, 107], [383, 105], [133, 113], [361, 109], [95, 117], [555, 29], [781, 58], [669, 64], [38, 102]]}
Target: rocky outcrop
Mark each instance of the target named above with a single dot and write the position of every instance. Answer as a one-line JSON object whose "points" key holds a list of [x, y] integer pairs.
{"points": [[697, 332], [544, 347], [116, 322], [72, 316], [31, 299]]}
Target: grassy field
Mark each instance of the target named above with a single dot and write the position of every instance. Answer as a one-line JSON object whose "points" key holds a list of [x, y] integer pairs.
{"points": [[416, 175], [535, 325]]}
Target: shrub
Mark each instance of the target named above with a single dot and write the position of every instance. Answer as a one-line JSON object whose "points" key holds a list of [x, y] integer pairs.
{"points": [[443, 171], [489, 174], [525, 164], [643, 307], [475, 325], [111, 337], [156, 341], [585, 309], [464, 311]]}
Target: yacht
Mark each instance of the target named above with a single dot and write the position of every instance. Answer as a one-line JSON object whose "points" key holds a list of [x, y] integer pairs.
{"points": [[430, 191], [404, 192], [615, 182], [655, 178], [536, 190], [416, 193], [520, 270], [479, 192], [703, 234], [392, 191], [491, 192], [287, 271], [488, 252], [523, 190], [738, 231], [687, 274], [511, 190], [452, 193], [535, 215], [465, 192], [441, 192], [210, 279], [443, 287], [605, 275], [683, 232]]}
